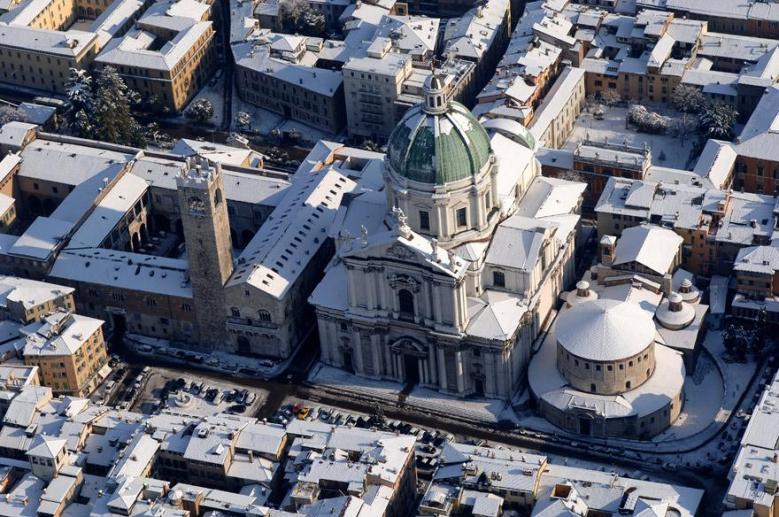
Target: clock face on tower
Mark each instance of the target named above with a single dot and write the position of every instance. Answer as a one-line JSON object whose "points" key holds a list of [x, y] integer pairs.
{"points": [[196, 205]]}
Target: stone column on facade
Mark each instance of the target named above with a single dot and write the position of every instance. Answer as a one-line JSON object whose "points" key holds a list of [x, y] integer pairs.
{"points": [[438, 315], [375, 345], [357, 352], [398, 367], [423, 371], [459, 321], [502, 388], [388, 364], [431, 364], [370, 287], [478, 211], [442, 368], [330, 341], [350, 272], [489, 374], [458, 356]]}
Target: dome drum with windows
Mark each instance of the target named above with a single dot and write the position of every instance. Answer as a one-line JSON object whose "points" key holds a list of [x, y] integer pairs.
{"points": [[605, 346]]}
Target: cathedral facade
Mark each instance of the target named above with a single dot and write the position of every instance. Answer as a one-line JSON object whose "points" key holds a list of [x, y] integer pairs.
{"points": [[458, 260]]}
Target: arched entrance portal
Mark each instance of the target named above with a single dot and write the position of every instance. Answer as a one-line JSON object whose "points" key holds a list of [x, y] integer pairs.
{"points": [[410, 361], [411, 369], [347, 356], [244, 347]]}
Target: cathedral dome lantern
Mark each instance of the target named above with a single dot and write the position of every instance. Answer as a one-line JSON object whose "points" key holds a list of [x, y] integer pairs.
{"points": [[440, 169]]}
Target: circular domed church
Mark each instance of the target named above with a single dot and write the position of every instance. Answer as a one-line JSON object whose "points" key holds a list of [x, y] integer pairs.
{"points": [[602, 378]]}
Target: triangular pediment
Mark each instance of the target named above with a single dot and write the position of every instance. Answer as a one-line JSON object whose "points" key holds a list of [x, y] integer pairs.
{"points": [[414, 249]]}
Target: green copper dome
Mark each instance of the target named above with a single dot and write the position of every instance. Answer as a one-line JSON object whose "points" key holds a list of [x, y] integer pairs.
{"points": [[438, 144]]}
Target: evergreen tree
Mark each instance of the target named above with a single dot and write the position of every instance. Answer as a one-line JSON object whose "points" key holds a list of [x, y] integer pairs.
{"points": [[114, 121], [79, 108], [201, 110], [718, 119], [688, 99], [729, 338], [101, 109]]}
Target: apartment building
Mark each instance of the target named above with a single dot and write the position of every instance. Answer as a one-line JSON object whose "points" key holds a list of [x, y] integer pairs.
{"points": [[596, 162], [553, 121], [69, 351], [757, 162], [752, 17], [27, 300], [274, 71], [169, 65], [41, 58], [716, 225], [756, 270], [372, 85], [481, 36], [753, 476]]}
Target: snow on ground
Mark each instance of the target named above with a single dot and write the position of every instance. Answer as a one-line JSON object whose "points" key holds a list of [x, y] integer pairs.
{"points": [[191, 403], [264, 122], [340, 380], [485, 410], [425, 399], [703, 394], [216, 360], [215, 94], [612, 127]]}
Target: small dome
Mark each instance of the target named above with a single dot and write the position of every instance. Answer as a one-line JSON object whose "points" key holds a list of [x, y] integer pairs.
{"points": [[512, 130], [673, 313], [689, 292], [582, 294], [434, 83], [438, 146], [605, 330]]}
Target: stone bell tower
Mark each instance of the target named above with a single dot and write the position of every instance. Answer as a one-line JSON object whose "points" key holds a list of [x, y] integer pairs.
{"points": [[209, 248]]}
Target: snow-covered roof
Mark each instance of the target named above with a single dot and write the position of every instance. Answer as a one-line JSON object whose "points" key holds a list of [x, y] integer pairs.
{"points": [[42, 238], [109, 212], [716, 162], [124, 270], [75, 162], [68, 44], [497, 315], [134, 49], [555, 101], [47, 447], [517, 243], [757, 259], [551, 196], [651, 246], [29, 293], [293, 233], [605, 330], [60, 333], [224, 154], [256, 56], [760, 136]]}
